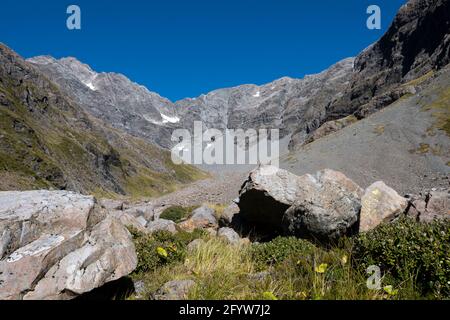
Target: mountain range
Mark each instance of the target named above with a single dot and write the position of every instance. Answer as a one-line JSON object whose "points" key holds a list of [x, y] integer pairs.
{"points": [[53, 108]]}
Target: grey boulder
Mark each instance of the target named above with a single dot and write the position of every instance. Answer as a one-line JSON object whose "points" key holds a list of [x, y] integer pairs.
{"points": [[162, 225], [229, 235], [327, 208], [174, 290], [323, 206]]}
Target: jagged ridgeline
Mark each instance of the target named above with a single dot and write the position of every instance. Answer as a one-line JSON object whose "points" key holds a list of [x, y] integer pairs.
{"points": [[47, 141]]}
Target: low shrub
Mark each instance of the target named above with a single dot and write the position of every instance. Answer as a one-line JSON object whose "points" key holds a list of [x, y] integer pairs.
{"points": [[176, 213], [161, 248], [278, 250], [406, 250]]}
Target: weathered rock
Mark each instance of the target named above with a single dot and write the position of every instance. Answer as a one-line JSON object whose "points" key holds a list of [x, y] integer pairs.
{"points": [[139, 289], [330, 127], [58, 245], [326, 209], [228, 234], [174, 290], [110, 204], [194, 245], [228, 214], [129, 220], [143, 210], [107, 255], [438, 206], [434, 206], [380, 204], [266, 195], [324, 206], [202, 218], [162, 225]]}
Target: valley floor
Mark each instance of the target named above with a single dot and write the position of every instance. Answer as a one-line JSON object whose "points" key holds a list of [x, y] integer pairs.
{"points": [[220, 188]]}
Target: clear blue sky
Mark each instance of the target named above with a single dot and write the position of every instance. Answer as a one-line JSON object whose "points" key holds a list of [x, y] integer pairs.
{"points": [[182, 48]]}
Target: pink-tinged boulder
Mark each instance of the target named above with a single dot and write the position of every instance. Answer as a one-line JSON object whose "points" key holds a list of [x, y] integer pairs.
{"points": [[380, 204], [201, 218]]}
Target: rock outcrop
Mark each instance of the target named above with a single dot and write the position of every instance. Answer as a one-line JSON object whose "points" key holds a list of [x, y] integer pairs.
{"points": [[434, 205], [416, 44], [59, 245]]}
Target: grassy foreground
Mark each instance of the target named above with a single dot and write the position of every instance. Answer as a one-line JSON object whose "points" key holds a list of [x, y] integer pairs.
{"points": [[414, 260]]}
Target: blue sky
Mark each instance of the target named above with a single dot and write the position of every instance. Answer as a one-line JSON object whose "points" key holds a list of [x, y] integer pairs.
{"points": [[183, 48]]}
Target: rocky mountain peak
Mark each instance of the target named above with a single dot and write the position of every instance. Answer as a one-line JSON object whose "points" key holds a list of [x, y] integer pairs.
{"points": [[416, 43]]}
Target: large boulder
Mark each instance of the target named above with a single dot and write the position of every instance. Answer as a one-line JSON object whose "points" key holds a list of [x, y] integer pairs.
{"points": [[265, 196], [322, 206], [380, 204], [59, 245], [327, 208]]}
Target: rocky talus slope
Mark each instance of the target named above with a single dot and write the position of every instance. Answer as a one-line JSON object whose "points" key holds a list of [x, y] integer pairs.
{"points": [[48, 141], [406, 144]]}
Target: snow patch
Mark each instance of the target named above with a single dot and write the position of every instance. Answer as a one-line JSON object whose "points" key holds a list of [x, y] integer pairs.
{"points": [[90, 86], [166, 119], [169, 119], [257, 94]]}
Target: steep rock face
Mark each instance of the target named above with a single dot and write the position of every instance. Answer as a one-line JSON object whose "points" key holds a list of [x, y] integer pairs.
{"points": [[406, 145], [47, 141], [113, 98], [417, 42], [287, 104], [58, 245]]}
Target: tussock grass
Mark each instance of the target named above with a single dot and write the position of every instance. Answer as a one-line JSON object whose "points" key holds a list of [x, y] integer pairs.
{"points": [[295, 269]]}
